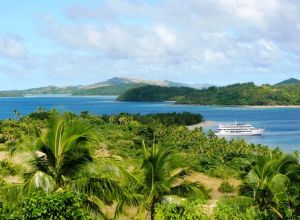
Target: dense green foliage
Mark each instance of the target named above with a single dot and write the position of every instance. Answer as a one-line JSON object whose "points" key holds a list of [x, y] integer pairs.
{"points": [[226, 187], [56, 206], [238, 208], [184, 211], [236, 94], [108, 165], [168, 119], [151, 93], [273, 183]]}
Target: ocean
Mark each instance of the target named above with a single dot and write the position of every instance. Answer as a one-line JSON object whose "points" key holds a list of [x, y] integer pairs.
{"points": [[282, 124]]}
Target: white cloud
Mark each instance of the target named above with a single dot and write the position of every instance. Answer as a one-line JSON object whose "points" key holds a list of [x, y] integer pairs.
{"points": [[171, 39], [11, 47], [214, 56], [255, 11], [167, 37]]}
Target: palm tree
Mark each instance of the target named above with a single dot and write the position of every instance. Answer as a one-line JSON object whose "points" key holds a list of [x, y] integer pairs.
{"points": [[62, 150], [163, 178], [58, 155], [61, 155], [270, 180]]}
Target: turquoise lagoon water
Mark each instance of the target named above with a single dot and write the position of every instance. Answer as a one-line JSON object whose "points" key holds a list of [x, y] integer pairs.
{"points": [[282, 124]]}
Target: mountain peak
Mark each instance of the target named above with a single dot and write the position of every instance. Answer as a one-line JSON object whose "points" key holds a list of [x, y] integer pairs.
{"points": [[288, 82], [115, 81]]}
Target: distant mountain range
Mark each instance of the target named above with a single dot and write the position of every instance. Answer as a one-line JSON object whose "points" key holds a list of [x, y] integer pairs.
{"points": [[113, 86]]}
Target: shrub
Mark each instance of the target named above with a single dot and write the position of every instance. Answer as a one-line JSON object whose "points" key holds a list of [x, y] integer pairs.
{"points": [[8, 214], [185, 211], [40, 115], [226, 187], [7, 168], [65, 205], [221, 171], [2, 182], [238, 208], [168, 119]]}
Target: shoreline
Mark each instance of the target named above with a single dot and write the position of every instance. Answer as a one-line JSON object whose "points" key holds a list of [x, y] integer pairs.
{"points": [[204, 124], [239, 106], [167, 101], [272, 106], [244, 106]]}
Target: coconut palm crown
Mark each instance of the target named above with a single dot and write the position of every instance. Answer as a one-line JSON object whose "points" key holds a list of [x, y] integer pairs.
{"points": [[271, 180], [164, 178], [62, 151]]}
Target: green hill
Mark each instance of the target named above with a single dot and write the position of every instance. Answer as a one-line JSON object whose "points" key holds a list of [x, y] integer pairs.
{"points": [[108, 90], [150, 93], [113, 86], [288, 82], [40, 91], [236, 94]]}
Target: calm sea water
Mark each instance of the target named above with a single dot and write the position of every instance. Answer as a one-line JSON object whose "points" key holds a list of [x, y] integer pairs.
{"points": [[282, 124]]}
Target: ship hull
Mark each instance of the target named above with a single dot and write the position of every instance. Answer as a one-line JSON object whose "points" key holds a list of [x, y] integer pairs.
{"points": [[250, 133]]}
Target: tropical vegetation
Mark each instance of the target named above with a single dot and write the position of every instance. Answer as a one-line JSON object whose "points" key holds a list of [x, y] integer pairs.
{"points": [[67, 166]]}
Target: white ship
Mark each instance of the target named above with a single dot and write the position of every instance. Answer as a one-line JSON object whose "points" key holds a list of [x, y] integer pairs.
{"points": [[237, 129]]}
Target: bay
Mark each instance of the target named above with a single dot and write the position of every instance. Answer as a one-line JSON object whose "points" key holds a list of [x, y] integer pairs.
{"points": [[282, 124]]}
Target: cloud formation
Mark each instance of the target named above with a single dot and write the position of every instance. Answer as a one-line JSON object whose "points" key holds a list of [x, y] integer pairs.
{"points": [[11, 47], [191, 40], [194, 29]]}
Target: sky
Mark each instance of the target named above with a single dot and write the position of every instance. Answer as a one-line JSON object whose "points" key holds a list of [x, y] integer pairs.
{"points": [[78, 42]]}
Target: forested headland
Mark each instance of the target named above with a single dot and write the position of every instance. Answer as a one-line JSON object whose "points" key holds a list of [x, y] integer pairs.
{"points": [[236, 94], [67, 166]]}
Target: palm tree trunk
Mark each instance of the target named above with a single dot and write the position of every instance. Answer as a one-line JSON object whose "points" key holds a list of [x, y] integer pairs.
{"points": [[152, 210]]}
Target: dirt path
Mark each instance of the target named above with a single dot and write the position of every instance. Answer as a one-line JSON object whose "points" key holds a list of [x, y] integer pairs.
{"points": [[213, 184], [3, 155], [13, 179], [102, 151]]}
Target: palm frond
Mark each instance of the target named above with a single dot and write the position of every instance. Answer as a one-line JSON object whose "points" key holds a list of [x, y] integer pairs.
{"points": [[11, 194], [106, 189], [40, 163], [74, 160], [96, 208], [48, 153], [39, 181], [278, 185], [178, 175], [188, 189]]}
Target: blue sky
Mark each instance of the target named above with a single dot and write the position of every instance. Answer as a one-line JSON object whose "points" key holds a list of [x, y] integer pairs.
{"points": [[220, 42]]}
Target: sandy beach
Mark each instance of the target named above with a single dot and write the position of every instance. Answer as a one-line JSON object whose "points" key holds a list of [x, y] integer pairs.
{"points": [[204, 124], [272, 106]]}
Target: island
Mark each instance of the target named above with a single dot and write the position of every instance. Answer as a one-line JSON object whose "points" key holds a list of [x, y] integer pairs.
{"points": [[249, 94]]}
